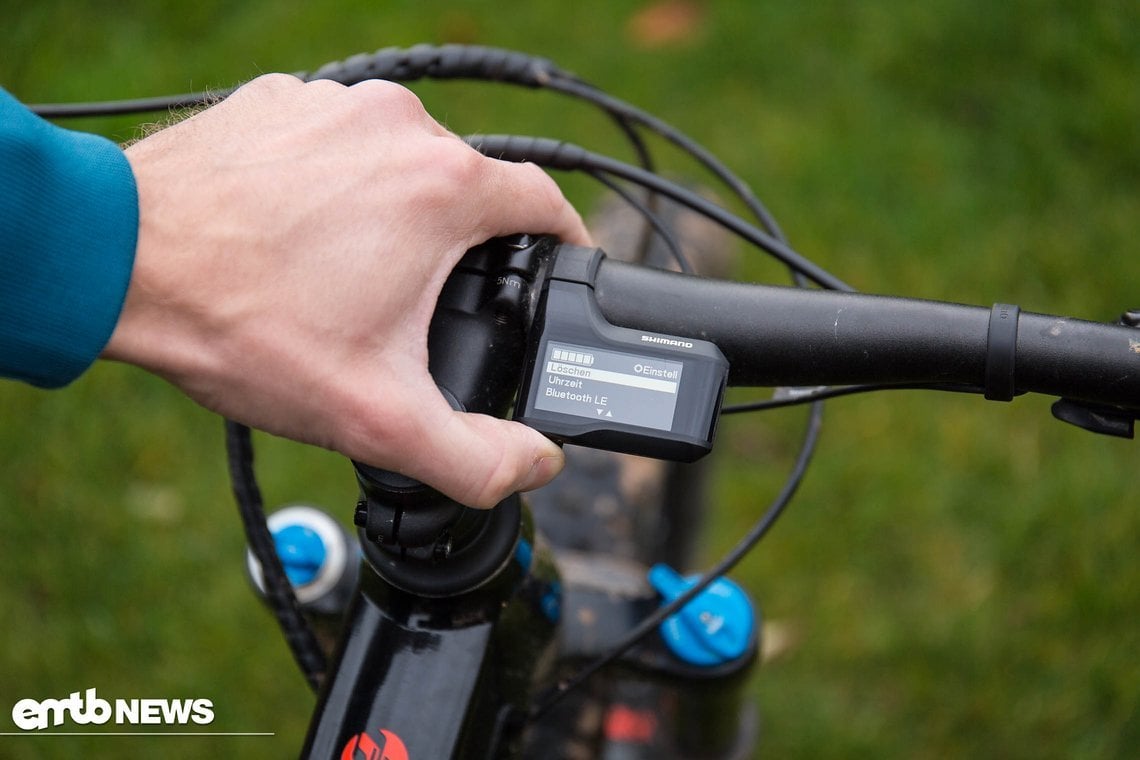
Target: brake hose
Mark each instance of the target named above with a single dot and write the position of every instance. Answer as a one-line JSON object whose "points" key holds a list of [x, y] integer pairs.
{"points": [[279, 593], [454, 61]]}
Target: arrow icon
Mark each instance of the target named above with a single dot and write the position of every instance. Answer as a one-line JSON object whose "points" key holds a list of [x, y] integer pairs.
{"points": [[600, 412], [609, 414]]}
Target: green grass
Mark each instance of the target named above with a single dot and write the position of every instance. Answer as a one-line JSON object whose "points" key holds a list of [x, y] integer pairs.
{"points": [[960, 577]]}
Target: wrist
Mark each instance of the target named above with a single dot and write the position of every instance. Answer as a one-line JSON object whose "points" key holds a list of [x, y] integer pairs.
{"points": [[159, 328]]}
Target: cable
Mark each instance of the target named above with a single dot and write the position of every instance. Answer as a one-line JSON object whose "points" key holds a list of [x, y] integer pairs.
{"points": [[395, 64], [730, 560], [776, 247], [652, 218], [579, 89], [554, 154], [827, 392], [278, 591], [457, 62], [518, 68], [121, 107], [776, 244]]}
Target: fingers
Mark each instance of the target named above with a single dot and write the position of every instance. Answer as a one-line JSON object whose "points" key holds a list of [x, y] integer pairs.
{"points": [[479, 460], [486, 459], [523, 198]]}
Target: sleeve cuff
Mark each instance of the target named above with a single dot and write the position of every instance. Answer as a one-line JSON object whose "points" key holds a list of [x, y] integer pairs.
{"points": [[68, 231]]}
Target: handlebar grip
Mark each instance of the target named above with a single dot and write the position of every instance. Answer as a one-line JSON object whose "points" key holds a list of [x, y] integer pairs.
{"points": [[790, 336]]}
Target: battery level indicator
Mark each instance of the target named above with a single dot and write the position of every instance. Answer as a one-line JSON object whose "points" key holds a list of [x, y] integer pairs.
{"points": [[575, 357]]}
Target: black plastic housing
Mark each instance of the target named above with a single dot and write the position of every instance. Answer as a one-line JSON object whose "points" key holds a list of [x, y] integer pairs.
{"points": [[568, 316]]}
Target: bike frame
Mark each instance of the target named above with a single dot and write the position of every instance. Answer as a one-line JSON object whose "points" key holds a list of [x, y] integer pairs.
{"points": [[470, 657]]}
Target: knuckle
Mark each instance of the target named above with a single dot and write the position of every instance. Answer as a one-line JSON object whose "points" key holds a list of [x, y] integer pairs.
{"points": [[462, 166], [394, 100], [269, 83], [544, 191], [454, 171], [324, 85]]}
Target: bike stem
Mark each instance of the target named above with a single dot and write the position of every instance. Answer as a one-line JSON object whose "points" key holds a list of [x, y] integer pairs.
{"points": [[446, 591]]}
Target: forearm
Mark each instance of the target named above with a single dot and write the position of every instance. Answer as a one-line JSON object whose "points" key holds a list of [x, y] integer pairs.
{"points": [[68, 229]]}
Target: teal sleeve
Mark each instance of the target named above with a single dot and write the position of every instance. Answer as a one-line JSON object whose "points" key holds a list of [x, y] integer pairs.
{"points": [[68, 229]]}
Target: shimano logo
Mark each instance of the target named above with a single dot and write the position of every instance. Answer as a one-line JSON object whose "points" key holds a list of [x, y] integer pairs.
{"points": [[666, 341], [87, 708]]}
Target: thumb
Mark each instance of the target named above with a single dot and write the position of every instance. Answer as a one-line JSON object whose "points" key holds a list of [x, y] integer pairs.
{"points": [[479, 460]]}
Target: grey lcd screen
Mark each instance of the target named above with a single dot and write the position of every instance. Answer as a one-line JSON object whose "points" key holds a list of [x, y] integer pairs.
{"points": [[610, 386]]}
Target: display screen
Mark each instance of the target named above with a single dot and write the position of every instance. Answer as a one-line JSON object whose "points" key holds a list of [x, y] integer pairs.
{"points": [[612, 386]]}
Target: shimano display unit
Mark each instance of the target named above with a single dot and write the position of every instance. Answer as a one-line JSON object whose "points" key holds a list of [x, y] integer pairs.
{"points": [[589, 382]]}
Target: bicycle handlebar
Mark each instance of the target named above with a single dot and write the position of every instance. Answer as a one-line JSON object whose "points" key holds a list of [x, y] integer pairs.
{"points": [[781, 336]]}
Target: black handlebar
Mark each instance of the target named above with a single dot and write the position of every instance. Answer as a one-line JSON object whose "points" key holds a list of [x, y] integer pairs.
{"points": [[791, 336]]}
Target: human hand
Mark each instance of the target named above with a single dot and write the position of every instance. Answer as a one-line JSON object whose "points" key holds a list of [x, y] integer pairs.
{"points": [[293, 240]]}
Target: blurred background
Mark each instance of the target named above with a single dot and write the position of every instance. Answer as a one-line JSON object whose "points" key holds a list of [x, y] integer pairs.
{"points": [[956, 577]]}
